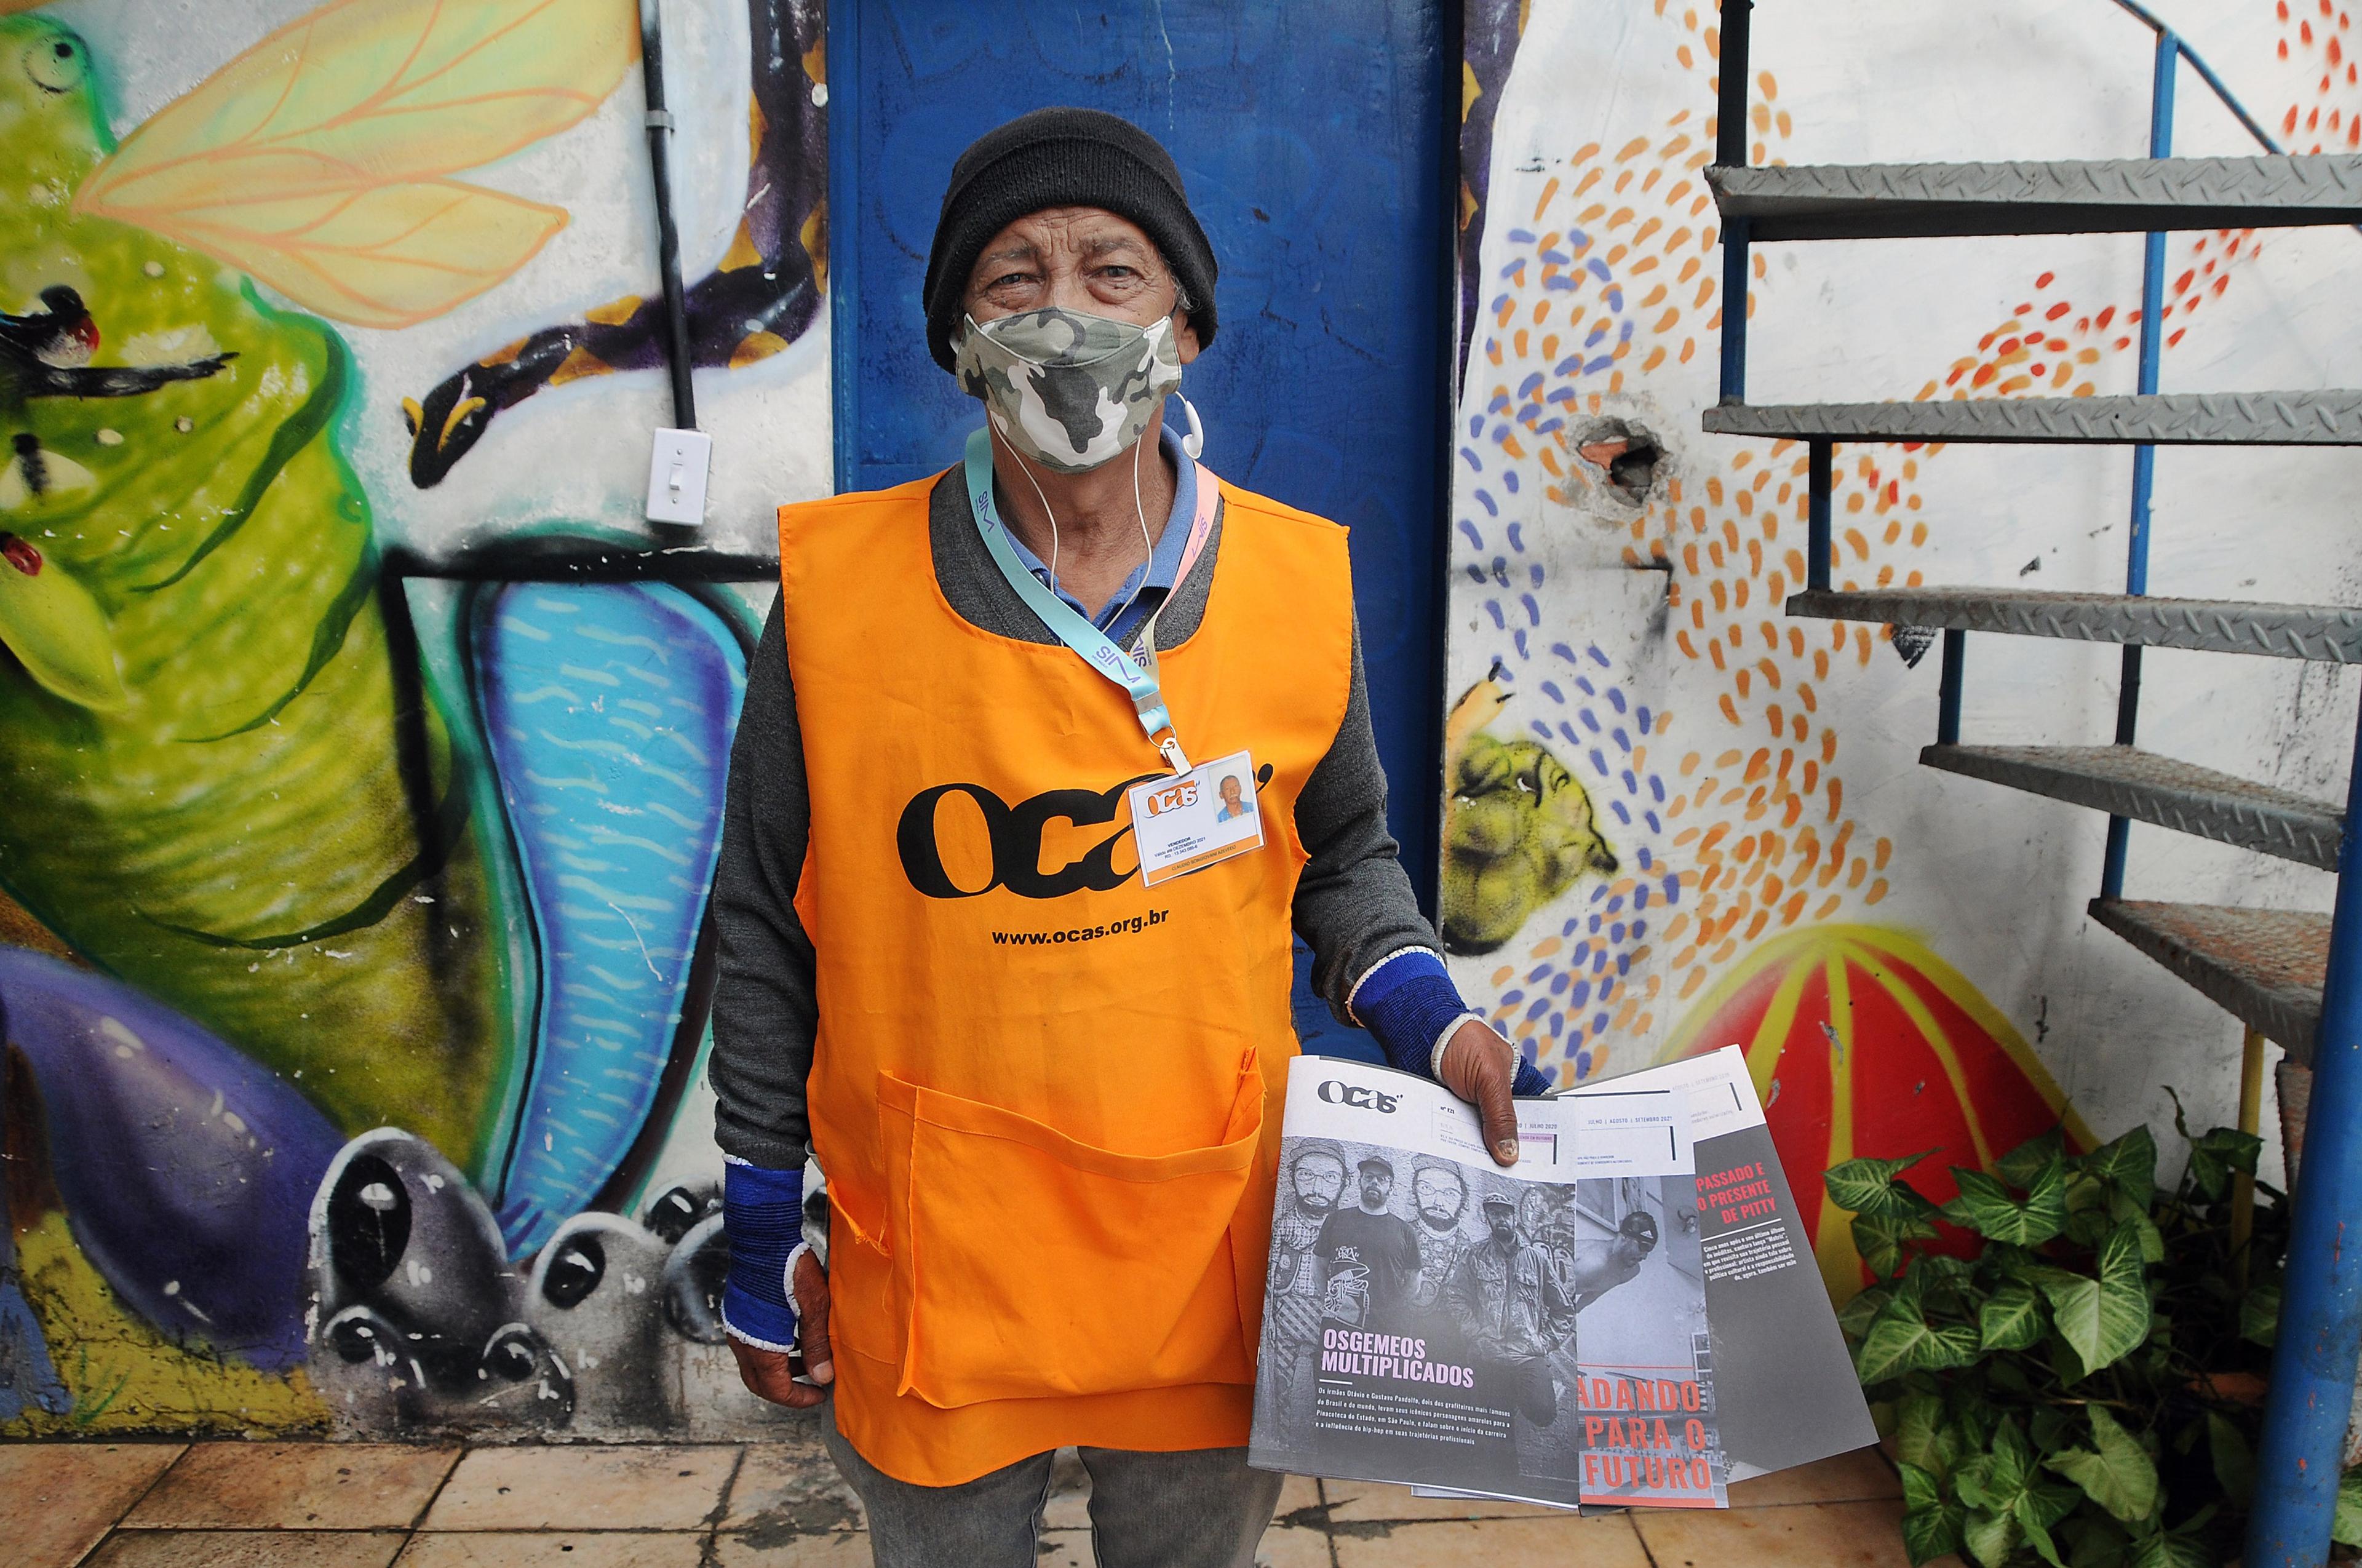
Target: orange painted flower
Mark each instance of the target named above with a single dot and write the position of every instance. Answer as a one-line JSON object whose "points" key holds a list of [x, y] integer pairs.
{"points": [[1861, 1041]]}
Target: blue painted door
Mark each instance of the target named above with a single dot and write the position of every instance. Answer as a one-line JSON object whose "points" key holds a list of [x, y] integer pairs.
{"points": [[1314, 139]]}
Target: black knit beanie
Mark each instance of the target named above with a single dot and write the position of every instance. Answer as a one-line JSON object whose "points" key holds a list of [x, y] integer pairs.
{"points": [[1062, 158]]}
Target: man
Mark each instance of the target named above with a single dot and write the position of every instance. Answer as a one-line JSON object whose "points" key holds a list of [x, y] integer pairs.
{"points": [[1440, 1195], [1515, 1312], [1050, 1162], [1368, 1257], [1296, 1287], [1234, 804], [1598, 1267]]}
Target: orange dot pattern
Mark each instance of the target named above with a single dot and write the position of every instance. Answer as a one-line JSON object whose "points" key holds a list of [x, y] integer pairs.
{"points": [[1756, 833]]}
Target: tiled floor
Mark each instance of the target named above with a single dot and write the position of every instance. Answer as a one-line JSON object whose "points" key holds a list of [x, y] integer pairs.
{"points": [[236, 1504]]}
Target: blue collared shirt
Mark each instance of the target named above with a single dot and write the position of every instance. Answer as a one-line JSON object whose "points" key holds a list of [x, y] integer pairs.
{"points": [[1146, 588]]}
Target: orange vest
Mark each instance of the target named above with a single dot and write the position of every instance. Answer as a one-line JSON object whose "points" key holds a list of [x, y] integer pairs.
{"points": [[1047, 1098]]}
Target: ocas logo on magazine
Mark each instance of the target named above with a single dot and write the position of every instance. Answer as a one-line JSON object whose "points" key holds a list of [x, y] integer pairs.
{"points": [[1335, 1092]]}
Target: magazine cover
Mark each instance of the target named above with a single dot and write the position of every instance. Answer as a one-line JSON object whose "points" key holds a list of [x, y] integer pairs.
{"points": [[1785, 1390], [1420, 1318]]}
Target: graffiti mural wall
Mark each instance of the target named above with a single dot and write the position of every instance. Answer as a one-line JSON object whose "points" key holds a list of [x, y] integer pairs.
{"points": [[363, 751], [364, 754], [1677, 819]]}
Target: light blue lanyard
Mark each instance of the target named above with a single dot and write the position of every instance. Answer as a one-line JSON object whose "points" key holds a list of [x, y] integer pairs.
{"points": [[1098, 650]]}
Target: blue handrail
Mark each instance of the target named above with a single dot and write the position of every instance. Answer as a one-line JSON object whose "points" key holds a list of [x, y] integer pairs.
{"points": [[2167, 36]]}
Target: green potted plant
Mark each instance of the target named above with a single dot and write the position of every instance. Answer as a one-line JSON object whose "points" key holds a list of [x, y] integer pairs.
{"points": [[2067, 1358]]}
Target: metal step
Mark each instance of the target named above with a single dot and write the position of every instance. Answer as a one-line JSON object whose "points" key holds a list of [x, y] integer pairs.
{"points": [[2237, 419], [2125, 782], [1876, 201], [2262, 966], [2327, 634]]}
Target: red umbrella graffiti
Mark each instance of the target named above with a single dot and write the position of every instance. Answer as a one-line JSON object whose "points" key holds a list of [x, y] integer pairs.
{"points": [[1861, 1041]]}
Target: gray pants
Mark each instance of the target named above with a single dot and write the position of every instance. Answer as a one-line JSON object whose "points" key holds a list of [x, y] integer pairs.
{"points": [[1197, 1508]]}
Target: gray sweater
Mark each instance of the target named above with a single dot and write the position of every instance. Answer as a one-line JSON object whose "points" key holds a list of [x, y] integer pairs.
{"points": [[1353, 903]]}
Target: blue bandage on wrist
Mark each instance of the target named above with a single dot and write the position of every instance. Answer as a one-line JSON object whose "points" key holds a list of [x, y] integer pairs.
{"points": [[1406, 1003], [763, 1214]]}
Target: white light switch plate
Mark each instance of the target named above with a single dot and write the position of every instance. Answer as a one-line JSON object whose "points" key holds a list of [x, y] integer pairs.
{"points": [[677, 474]]}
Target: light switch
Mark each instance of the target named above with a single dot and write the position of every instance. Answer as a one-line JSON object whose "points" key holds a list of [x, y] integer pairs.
{"points": [[676, 475]]}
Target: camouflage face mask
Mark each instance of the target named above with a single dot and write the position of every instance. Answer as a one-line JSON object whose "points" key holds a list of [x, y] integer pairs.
{"points": [[1068, 389]]}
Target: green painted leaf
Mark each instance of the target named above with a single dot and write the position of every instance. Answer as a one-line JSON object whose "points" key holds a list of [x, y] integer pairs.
{"points": [[2116, 1472], [1880, 1239], [2102, 1319], [2345, 1524], [1868, 1186], [2235, 1461], [56, 629], [2011, 1319], [1986, 1207], [2129, 1164], [1901, 1339]]}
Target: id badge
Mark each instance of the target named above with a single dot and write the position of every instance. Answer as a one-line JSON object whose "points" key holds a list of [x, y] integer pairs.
{"points": [[1187, 823]]}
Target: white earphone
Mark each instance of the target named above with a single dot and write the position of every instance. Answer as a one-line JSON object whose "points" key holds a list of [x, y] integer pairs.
{"points": [[1194, 443]]}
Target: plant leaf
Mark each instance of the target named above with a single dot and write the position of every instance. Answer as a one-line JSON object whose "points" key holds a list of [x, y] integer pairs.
{"points": [[1989, 1536], [2119, 1476], [1868, 1186], [1933, 1531], [1901, 1339], [2102, 1319], [1922, 1439], [316, 160], [2169, 1551], [2023, 1164], [2097, 1540], [2259, 1314], [2345, 1524], [2235, 1461], [1881, 1238], [1854, 1318], [1931, 1521], [2129, 1164], [2216, 1157], [2011, 1318], [2029, 1516], [1986, 1207]]}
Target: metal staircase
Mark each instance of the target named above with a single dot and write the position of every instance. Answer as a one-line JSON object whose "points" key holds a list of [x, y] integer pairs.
{"points": [[2288, 976]]}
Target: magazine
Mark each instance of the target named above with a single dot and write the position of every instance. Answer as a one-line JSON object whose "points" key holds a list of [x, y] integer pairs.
{"points": [[1420, 1322], [1785, 1392]]}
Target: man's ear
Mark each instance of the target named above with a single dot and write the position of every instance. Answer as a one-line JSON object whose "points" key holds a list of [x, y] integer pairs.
{"points": [[1185, 334]]}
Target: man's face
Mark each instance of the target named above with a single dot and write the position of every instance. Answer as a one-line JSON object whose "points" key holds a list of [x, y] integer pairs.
{"points": [[1078, 258], [1230, 793], [1628, 1252], [1503, 1221], [1439, 1196], [1319, 1179], [1377, 1185]]}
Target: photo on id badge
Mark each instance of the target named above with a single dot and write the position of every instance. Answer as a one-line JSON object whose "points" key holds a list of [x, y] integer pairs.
{"points": [[1186, 823]]}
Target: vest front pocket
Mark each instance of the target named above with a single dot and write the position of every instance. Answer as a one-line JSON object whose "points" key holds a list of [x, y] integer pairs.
{"points": [[1037, 1264]]}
